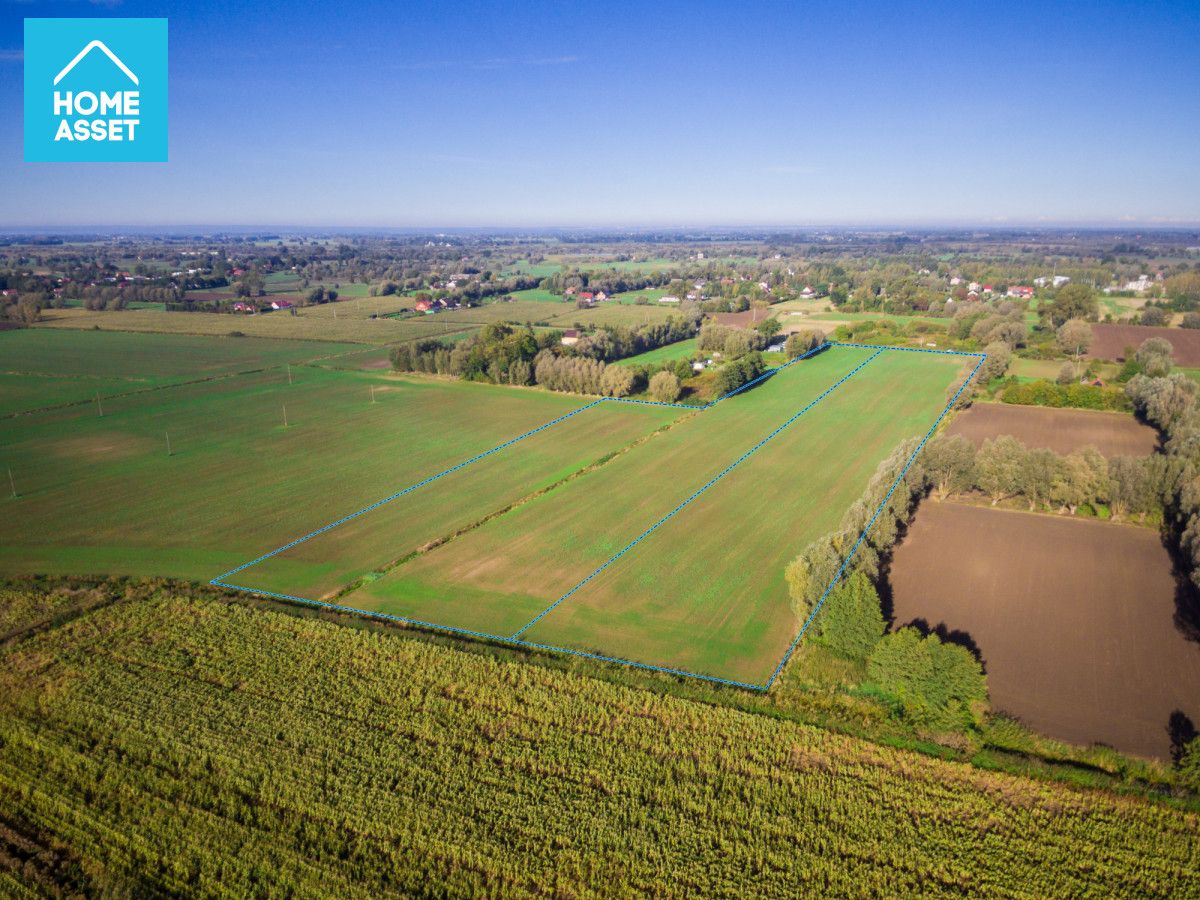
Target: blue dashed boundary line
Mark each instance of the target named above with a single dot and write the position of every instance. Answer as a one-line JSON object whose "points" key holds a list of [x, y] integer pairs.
{"points": [[366, 509], [645, 534], [862, 537], [483, 635], [515, 641]]}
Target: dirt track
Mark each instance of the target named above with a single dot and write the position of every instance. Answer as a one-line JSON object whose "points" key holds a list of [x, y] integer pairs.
{"points": [[1110, 341], [1075, 620], [1060, 430]]}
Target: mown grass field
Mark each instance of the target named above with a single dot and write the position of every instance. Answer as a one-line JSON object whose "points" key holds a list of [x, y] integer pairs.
{"points": [[613, 314], [101, 495], [319, 567], [323, 327], [536, 270], [166, 745], [651, 294], [356, 308], [678, 350], [706, 592], [41, 368], [539, 295], [685, 596]]}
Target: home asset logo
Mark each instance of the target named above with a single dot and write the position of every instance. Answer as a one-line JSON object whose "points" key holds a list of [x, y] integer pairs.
{"points": [[95, 90]]}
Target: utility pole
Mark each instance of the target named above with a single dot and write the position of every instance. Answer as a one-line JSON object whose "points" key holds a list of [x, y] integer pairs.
{"points": [[168, 434], [285, 424], [372, 393], [12, 484], [99, 405], [289, 368]]}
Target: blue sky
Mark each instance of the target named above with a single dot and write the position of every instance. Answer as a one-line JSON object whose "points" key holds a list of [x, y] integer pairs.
{"points": [[571, 113]]}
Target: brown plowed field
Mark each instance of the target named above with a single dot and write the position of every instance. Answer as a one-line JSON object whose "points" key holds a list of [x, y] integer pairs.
{"points": [[1110, 341], [1075, 620], [1060, 430]]}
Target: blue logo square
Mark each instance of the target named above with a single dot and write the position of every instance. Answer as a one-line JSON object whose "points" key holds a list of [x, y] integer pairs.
{"points": [[95, 90]]}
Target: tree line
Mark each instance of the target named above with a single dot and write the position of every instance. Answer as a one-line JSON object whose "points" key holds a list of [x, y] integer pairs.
{"points": [[923, 680], [1004, 469], [503, 353], [1169, 403]]}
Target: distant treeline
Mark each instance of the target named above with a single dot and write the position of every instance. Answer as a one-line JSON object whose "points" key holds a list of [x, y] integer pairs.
{"points": [[504, 353]]}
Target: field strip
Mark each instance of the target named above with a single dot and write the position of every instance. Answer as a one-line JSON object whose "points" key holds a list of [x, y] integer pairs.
{"points": [[829, 390], [888, 496], [487, 453], [407, 490], [132, 392], [514, 639]]}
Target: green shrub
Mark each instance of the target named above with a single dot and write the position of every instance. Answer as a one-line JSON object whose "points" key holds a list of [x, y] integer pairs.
{"points": [[1076, 396], [933, 684], [851, 621]]}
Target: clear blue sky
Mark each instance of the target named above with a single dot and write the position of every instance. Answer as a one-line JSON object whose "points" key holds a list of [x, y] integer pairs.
{"points": [[567, 113]]}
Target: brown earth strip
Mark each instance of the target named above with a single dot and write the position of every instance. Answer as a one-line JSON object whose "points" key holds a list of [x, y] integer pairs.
{"points": [[1110, 341], [1060, 430], [1076, 621]]}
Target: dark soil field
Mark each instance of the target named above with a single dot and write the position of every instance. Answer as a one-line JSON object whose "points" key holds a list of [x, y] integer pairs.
{"points": [[1075, 620], [1110, 341], [1060, 430]]}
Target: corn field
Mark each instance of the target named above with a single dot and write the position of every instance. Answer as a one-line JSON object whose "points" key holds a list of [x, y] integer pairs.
{"points": [[163, 744]]}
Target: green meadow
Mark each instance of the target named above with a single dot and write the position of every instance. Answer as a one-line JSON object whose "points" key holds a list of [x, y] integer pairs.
{"points": [[683, 597], [307, 325], [205, 453], [102, 495], [678, 350], [42, 368]]}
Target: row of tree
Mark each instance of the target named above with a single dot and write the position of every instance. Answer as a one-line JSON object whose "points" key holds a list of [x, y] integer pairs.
{"points": [[1170, 404], [926, 682], [581, 375], [503, 353], [612, 342], [729, 340], [1005, 469]]}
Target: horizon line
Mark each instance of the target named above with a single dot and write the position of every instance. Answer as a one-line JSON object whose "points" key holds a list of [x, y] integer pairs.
{"points": [[633, 227]]}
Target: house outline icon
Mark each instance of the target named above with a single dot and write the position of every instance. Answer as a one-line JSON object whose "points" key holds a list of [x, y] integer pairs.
{"points": [[94, 45]]}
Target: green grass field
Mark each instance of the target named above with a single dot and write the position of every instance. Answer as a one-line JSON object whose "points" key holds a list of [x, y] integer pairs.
{"points": [[101, 494], [497, 576], [157, 744], [534, 270], [520, 311], [651, 294], [612, 314], [678, 350], [42, 368], [539, 295], [836, 316], [495, 542], [561, 315], [307, 326], [319, 567]]}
